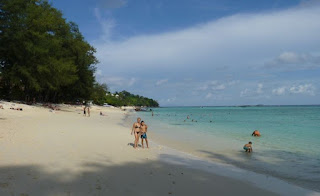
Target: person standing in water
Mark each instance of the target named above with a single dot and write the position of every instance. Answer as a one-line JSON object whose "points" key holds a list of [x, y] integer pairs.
{"points": [[136, 131], [144, 129]]}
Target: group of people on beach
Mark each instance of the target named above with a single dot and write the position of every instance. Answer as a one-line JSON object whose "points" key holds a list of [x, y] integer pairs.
{"points": [[248, 147], [139, 129], [86, 111]]}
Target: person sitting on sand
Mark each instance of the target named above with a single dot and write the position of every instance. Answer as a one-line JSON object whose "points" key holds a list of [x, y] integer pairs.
{"points": [[16, 109], [248, 147], [144, 129], [102, 114], [136, 130], [256, 133]]}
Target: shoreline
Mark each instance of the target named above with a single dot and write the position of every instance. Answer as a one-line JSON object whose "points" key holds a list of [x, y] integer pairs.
{"points": [[262, 181], [203, 161], [64, 153]]}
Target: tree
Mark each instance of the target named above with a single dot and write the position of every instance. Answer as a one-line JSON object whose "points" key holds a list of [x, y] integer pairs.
{"points": [[127, 99], [99, 93], [42, 55]]}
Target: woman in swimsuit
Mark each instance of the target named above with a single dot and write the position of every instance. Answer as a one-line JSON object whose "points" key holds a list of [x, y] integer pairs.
{"points": [[137, 132]]}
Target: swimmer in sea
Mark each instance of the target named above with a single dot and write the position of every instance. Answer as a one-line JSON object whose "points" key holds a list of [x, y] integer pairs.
{"points": [[256, 133], [248, 147], [136, 130], [144, 129]]}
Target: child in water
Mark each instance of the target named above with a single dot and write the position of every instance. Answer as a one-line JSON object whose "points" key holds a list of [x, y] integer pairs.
{"points": [[144, 129], [248, 147]]}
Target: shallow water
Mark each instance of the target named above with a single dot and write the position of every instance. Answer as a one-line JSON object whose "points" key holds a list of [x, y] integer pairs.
{"points": [[289, 147]]}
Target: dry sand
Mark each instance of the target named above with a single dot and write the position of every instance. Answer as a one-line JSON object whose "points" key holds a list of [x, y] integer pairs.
{"points": [[64, 153]]}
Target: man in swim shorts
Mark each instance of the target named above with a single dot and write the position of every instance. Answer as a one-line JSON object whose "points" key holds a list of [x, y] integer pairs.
{"points": [[144, 129], [248, 147]]}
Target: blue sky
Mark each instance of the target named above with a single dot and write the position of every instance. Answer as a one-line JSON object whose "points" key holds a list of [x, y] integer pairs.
{"points": [[205, 52]]}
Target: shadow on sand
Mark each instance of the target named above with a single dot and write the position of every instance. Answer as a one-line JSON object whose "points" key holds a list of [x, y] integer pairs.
{"points": [[106, 178], [295, 168]]}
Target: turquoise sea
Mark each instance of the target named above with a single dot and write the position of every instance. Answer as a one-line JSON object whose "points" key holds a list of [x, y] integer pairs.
{"points": [[289, 147]]}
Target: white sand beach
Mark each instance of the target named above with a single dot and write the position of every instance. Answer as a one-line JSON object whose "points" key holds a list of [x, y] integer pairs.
{"points": [[46, 152]]}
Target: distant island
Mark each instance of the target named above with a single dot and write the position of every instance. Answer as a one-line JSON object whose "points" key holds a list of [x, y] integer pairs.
{"points": [[45, 58]]}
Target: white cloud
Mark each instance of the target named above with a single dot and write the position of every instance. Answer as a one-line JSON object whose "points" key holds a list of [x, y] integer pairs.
{"points": [[209, 95], [218, 87], [303, 89], [294, 60], [290, 57], [307, 89], [169, 100], [252, 93], [117, 81], [259, 89], [111, 4], [107, 25], [132, 81], [214, 85], [210, 44], [160, 82], [98, 72], [279, 91], [244, 92], [230, 50]]}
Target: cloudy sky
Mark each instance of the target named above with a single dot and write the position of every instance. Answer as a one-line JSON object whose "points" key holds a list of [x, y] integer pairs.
{"points": [[208, 52]]}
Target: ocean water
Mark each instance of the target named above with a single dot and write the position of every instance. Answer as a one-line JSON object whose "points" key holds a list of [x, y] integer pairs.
{"points": [[289, 147]]}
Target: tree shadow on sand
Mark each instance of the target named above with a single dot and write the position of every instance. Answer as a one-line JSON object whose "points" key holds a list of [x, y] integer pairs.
{"points": [[104, 178]]}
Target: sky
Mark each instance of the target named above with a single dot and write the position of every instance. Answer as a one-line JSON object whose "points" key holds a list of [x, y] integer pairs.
{"points": [[205, 53]]}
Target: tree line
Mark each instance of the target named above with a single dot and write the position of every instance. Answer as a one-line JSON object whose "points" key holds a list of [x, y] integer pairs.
{"points": [[125, 98], [44, 57]]}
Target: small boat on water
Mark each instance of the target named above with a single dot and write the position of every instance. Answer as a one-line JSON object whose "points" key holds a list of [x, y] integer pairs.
{"points": [[140, 109]]}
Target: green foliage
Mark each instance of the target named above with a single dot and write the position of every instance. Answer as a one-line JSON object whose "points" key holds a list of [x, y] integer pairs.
{"points": [[125, 98], [41, 55], [99, 93]]}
